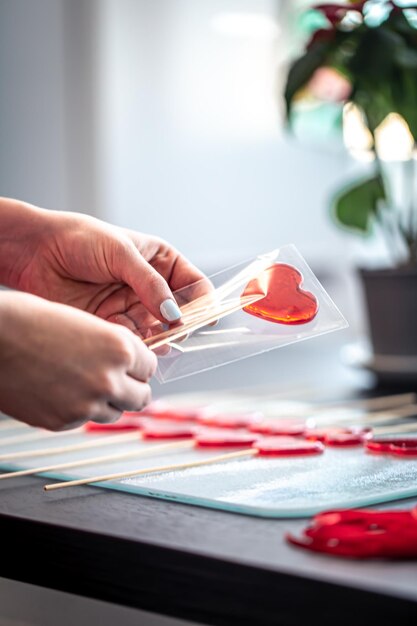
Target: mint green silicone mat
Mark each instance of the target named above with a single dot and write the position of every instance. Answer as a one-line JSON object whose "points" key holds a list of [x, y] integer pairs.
{"points": [[263, 487]]}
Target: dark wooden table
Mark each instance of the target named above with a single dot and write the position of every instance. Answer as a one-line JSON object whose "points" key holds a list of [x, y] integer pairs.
{"points": [[195, 563]]}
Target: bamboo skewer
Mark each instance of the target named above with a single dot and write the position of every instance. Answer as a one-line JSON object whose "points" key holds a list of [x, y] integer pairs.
{"points": [[152, 470], [250, 272], [85, 445], [262, 402], [161, 339], [177, 445], [408, 410], [379, 403], [37, 434], [396, 428], [207, 309]]}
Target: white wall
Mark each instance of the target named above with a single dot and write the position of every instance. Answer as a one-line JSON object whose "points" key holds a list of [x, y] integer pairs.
{"points": [[144, 114], [47, 102], [190, 143], [33, 162], [141, 112]]}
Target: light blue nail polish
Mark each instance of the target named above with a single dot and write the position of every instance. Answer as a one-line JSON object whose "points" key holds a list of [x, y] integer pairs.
{"points": [[170, 310]]}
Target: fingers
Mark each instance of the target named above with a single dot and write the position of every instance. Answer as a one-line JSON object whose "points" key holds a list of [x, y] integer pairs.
{"points": [[184, 278], [107, 414], [147, 283], [133, 396], [103, 413], [131, 391], [143, 362]]}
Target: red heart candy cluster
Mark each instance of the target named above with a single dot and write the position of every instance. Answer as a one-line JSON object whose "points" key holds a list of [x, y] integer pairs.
{"points": [[361, 534], [285, 302], [397, 447]]}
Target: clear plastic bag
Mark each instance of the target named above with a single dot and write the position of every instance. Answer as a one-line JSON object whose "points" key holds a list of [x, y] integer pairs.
{"points": [[236, 297]]}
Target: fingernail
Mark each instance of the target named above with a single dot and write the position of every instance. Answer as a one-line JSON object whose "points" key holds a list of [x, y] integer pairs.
{"points": [[170, 310]]}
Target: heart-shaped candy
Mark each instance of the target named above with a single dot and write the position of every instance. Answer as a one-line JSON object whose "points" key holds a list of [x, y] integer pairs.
{"points": [[285, 302]]}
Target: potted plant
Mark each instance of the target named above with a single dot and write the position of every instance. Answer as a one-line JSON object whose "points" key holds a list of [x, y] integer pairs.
{"points": [[365, 56]]}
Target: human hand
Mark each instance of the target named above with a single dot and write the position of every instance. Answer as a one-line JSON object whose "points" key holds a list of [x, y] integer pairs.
{"points": [[119, 275], [60, 367]]}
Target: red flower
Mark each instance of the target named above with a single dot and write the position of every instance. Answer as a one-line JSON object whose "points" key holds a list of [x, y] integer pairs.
{"points": [[336, 12]]}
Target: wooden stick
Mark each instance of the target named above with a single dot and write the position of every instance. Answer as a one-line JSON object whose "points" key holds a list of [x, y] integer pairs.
{"points": [[201, 311], [161, 339], [37, 434], [250, 272], [381, 416], [107, 440], [175, 445], [322, 410], [371, 404], [152, 470], [8, 441], [409, 410], [382, 402], [397, 428]]}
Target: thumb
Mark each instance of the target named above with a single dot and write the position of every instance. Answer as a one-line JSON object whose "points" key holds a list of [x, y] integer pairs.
{"points": [[147, 283]]}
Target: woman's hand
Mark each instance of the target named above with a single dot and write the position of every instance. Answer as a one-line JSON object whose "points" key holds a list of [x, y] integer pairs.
{"points": [[119, 275], [60, 367]]}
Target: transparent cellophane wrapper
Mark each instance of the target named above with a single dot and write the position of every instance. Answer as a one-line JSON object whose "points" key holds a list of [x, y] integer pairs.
{"points": [[237, 334]]}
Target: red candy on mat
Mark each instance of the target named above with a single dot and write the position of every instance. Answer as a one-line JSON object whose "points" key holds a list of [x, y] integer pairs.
{"points": [[350, 437], [153, 429], [379, 446], [398, 447], [164, 410], [225, 420], [404, 447], [123, 424], [211, 438], [362, 534], [340, 437], [284, 427], [285, 302], [287, 446], [320, 434]]}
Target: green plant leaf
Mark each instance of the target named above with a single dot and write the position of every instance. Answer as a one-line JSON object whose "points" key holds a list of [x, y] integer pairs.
{"points": [[406, 57], [356, 206], [303, 69]]}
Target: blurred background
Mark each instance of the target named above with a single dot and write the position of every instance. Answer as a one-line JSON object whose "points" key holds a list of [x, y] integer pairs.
{"points": [[166, 116]]}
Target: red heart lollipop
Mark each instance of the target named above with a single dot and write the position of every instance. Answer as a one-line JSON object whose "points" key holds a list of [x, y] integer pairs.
{"points": [[350, 437], [211, 438], [225, 420], [287, 446], [405, 447], [123, 423], [163, 410], [279, 427], [164, 429], [285, 302], [399, 447], [379, 446], [361, 534], [341, 437]]}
